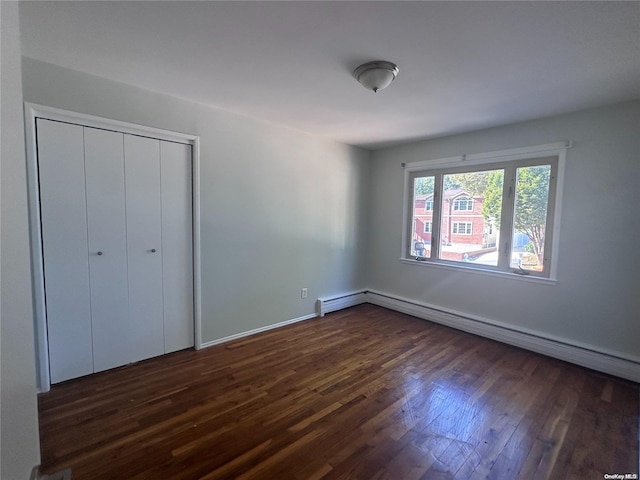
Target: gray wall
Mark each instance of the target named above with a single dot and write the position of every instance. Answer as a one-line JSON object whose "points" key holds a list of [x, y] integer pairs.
{"points": [[280, 209], [18, 411], [596, 300]]}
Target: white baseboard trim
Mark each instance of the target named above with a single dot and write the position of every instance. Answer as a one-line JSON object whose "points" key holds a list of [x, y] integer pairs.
{"points": [[585, 355], [61, 475], [35, 473], [257, 330]]}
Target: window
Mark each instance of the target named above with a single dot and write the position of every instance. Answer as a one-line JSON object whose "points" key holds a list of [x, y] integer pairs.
{"points": [[422, 188], [492, 212], [463, 203], [459, 244], [530, 213], [462, 228]]}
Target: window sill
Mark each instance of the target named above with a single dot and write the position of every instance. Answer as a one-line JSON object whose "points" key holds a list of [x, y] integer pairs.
{"points": [[480, 271]]}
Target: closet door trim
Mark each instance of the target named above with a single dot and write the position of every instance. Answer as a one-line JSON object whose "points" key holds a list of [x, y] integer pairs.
{"points": [[33, 112]]}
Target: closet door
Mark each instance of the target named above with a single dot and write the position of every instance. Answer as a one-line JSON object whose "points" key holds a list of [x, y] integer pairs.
{"points": [[104, 171], [64, 243], [144, 245], [177, 245]]}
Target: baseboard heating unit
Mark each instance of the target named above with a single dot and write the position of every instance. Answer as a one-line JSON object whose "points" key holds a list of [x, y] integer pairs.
{"points": [[331, 304]]}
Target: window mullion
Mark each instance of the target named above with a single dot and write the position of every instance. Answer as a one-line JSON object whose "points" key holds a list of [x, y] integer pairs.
{"points": [[551, 207], [436, 224], [506, 218]]}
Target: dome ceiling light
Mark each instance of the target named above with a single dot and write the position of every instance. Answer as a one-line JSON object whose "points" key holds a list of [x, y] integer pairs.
{"points": [[376, 75]]}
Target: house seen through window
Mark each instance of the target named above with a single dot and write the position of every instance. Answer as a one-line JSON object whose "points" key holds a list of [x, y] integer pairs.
{"points": [[494, 216]]}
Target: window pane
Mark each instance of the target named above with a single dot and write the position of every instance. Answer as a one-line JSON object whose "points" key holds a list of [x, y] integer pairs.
{"points": [[530, 217], [471, 208], [422, 216]]}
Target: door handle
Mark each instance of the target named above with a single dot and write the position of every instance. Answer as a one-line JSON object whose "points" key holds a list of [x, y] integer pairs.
{"points": [[153, 250], [99, 253]]}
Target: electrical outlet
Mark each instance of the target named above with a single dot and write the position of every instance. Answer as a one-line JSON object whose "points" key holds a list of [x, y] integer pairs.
{"points": [[303, 293]]}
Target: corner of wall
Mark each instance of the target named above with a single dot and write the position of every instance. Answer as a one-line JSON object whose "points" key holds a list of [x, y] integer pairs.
{"points": [[20, 438]]}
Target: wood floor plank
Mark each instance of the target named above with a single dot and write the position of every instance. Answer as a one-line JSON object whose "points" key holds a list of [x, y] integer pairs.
{"points": [[364, 393]]}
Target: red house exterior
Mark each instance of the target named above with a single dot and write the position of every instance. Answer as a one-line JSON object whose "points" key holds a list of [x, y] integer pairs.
{"points": [[464, 229]]}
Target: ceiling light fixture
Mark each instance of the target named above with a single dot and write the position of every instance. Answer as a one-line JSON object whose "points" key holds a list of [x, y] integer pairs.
{"points": [[376, 75]]}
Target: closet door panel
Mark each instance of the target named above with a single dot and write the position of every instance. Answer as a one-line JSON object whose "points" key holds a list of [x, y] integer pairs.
{"points": [[142, 183], [104, 169], [65, 249], [177, 246]]}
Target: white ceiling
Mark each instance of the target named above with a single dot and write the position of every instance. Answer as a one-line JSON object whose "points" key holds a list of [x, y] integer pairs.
{"points": [[463, 65]]}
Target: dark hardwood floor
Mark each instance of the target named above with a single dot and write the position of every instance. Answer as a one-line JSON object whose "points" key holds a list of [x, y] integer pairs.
{"points": [[364, 393]]}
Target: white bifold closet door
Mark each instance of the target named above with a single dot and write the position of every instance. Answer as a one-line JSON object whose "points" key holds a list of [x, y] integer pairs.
{"points": [[116, 215], [144, 244], [63, 211], [104, 172], [177, 252]]}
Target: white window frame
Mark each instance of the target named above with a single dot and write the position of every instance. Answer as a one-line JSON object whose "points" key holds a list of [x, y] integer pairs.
{"points": [[510, 160], [427, 223], [428, 205], [468, 203], [468, 228]]}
